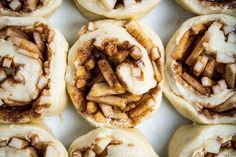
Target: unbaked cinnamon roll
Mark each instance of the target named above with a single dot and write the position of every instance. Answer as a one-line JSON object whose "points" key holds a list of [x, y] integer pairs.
{"points": [[209, 6], [204, 141], [201, 69], [115, 9], [104, 142], [29, 141], [32, 69], [115, 73], [42, 8]]}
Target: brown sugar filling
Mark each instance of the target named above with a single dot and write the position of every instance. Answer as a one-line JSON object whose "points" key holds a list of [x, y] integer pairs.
{"points": [[34, 41], [100, 93], [120, 4], [30, 143], [226, 146], [22, 6], [98, 149], [230, 4], [200, 70]]}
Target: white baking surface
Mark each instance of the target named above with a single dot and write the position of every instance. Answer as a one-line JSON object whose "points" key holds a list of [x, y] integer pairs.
{"points": [[164, 20]]}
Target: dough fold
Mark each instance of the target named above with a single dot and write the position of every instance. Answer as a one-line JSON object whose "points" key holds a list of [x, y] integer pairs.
{"points": [[36, 8], [200, 69], [115, 73], [112, 143], [126, 9], [209, 6], [203, 141], [33, 65], [29, 140]]}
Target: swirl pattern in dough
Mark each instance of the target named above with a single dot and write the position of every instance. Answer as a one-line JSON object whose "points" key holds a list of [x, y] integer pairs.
{"points": [[112, 143], [203, 141], [32, 69], [115, 73], [201, 69], [42, 8], [209, 6], [29, 141], [115, 9]]}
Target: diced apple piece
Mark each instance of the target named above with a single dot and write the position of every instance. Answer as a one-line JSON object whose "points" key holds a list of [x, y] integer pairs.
{"points": [[102, 89], [195, 84], [200, 65], [7, 62], [129, 3], [232, 38], [197, 51], [101, 144], [51, 151], [216, 89], [135, 53], [212, 146], [228, 29], [91, 107], [109, 75], [180, 48], [99, 117], [111, 100], [31, 4], [198, 28], [230, 75], [15, 5], [108, 4], [206, 81], [106, 109], [3, 75], [209, 69], [77, 154], [155, 54], [18, 143], [91, 26], [222, 85]]}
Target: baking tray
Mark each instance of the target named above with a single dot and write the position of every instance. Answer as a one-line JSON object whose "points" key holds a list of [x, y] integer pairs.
{"points": [[164, 20]]}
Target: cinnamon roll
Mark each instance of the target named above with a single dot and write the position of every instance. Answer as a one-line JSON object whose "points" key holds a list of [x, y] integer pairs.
{"points": [[115, 73], [201, 69], [32, 69], [204, 141], [29, 141], [209, 6], [112, 143], [42, 8], [115, 9]]}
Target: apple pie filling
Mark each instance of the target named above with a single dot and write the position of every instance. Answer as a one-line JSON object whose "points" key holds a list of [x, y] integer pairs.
{"points": [[99, 148], [219, 147], [24, 6], [27, 146], [24, 71], [205, 62], [116, 81], [117, 4]]}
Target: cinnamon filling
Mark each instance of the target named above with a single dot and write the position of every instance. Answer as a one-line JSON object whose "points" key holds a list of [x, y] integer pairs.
{"points": [[117, 4], [218, 147], [100, 92], [208, 73], [99, 148], [122, 4], [27, 146], [33, 43], [230, 4], [22, 6]]}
